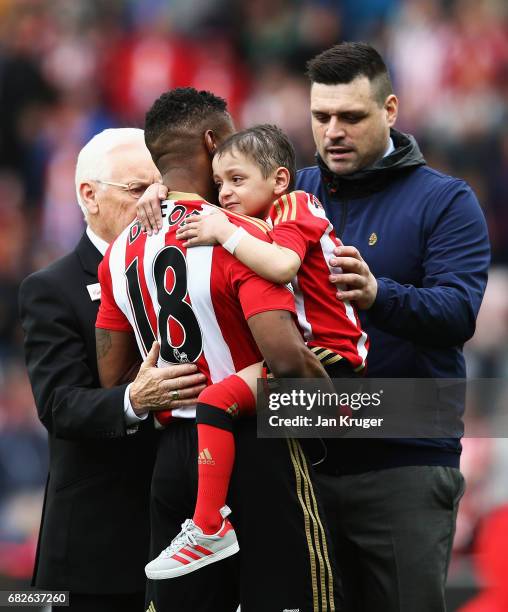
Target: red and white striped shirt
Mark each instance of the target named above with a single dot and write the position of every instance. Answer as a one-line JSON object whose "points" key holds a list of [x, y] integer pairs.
{"points": [[299, 223], [195, 302]]}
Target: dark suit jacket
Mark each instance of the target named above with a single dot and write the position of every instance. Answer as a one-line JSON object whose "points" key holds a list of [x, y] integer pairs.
{"points": [[95, 526]]}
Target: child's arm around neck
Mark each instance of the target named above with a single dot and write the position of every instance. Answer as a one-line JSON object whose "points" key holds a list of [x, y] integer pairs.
{"points": [[269, 260]]}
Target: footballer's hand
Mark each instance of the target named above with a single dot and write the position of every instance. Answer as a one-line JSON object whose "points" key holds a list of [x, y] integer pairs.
{"points": [[355, 282], [148, 208], [200, 230], [156, 388]]}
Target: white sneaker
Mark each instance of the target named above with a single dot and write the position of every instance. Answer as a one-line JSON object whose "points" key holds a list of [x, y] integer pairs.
{"points": [[192, 549]]}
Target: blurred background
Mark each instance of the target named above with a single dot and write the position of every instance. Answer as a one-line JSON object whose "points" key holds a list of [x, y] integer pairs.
{"points": [[69, 69]]}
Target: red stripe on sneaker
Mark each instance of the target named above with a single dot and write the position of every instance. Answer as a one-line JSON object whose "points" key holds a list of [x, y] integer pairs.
{"points": [[180, 559], [227, 527], [203, 550], [189, 553]]}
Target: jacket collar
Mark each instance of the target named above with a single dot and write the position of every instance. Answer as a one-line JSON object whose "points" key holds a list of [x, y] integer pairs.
{"points": [[88, 254], [405, 157]]}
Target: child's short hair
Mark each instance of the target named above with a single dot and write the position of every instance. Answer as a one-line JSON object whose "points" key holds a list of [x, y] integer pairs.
{"points": [[267, 146]]}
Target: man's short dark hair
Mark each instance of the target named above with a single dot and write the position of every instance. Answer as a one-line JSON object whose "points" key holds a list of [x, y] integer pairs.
{"points": [[267, 146], [346, 61], [183, 110]]}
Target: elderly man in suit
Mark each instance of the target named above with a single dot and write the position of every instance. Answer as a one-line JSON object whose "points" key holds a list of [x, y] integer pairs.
{"points": [[94, 533]]}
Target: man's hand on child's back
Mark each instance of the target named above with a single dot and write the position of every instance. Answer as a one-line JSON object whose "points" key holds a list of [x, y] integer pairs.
{"points": [[211, 229], [148, 208]]}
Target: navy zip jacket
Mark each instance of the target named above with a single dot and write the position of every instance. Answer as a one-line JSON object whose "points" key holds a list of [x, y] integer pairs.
{"points": [[424, 237]]}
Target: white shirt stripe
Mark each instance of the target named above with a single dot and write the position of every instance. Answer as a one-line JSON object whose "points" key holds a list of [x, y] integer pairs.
{"points": [[153, 245], [327, 244], [303, 322], [217, 353]]}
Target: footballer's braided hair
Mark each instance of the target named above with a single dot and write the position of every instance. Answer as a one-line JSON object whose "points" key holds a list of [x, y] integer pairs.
{"points": [[183, 110]]}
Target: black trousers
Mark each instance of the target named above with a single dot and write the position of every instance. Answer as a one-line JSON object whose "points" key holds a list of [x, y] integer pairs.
{"points": [[392, 532], [79, 602], [284, 560]]}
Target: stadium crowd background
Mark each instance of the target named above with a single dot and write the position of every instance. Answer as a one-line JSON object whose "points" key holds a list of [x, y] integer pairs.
{"points": [[70, 69]]}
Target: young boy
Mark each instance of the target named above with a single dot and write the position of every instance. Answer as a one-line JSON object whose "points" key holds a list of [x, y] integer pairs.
{"points": [[254, 172]]}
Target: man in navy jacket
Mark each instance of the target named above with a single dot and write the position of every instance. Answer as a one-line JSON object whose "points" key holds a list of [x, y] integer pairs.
{"points": [[417, 270], [416, 265]]}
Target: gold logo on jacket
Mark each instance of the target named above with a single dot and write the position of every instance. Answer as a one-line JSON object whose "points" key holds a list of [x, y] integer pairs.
{"points": [[372, 239]]}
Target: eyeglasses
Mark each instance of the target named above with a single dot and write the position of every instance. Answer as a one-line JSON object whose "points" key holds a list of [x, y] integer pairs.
{"points": [[135, 188]]}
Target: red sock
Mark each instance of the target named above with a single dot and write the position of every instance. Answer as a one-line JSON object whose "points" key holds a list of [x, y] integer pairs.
{"points": [[216, 446], [215, 461]]}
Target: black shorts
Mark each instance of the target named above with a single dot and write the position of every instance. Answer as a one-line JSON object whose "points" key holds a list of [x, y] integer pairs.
{"points": [[335, 365], [284, 561]]}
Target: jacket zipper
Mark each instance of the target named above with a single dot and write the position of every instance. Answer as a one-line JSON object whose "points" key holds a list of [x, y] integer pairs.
{"points": [[343, 219]]}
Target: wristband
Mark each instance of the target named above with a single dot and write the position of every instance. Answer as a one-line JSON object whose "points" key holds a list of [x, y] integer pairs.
{"points": [[232, 242]]}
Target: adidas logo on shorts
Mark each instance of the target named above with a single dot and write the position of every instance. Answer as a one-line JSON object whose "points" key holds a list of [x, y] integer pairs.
{"points": [[205, 457]]}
